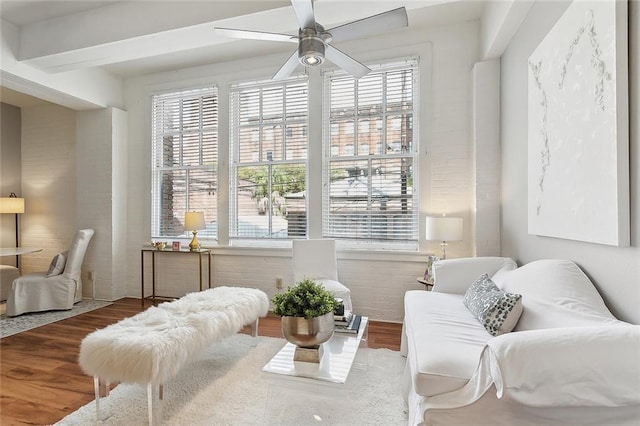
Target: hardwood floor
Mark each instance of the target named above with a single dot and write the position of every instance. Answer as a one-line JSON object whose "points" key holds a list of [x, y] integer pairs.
{"points": [[41, 382]]}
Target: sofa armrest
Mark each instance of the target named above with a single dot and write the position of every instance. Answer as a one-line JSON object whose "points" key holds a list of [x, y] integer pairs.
{"points": [[456, 275], [567, 367]]}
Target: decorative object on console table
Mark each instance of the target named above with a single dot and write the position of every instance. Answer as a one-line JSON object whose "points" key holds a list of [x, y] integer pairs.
{"points": [[194, 222], [159, 245], [444, 228], [15, 205], [307, 318]]}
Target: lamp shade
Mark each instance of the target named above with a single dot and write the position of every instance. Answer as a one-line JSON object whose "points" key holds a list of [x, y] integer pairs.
{"points": [[11, 205], [444, 228], [194, 221]]}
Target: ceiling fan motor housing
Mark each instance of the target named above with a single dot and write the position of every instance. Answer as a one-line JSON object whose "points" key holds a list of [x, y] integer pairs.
{"points": [[310, 48]]}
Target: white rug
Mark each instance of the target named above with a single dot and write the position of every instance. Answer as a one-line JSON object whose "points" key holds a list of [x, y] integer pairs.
{"points": [[24, 322], [227, 387]]}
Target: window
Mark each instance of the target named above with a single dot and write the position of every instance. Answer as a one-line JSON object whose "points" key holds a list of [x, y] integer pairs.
{"points": [[268, 172], [185, 150], [371, 195]]}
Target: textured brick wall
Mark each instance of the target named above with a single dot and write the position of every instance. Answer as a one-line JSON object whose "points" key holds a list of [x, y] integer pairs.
{"points": [[378, 280], [48, 183], [377, 285]]}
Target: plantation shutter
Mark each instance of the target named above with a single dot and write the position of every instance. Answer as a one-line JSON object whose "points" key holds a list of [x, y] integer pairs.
{"points": [[370, 192], [269, 154], [185, 152]]}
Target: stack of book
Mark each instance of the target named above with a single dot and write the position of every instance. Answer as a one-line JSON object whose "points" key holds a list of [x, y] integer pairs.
{"points": [[347, 323]]}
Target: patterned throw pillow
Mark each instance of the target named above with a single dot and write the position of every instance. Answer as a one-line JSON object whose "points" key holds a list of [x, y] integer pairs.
{"points": [[497, 310], [57, 264]]}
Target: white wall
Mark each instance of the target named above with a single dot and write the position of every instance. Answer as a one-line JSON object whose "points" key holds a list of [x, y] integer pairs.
{"points": [[485, 223], [614, 270], [10, 172], [48, 183], [377, 281], [101, 189]]}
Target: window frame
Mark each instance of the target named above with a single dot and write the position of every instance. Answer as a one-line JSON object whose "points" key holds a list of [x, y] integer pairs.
{"points": [[159, 171], [235, 147], [380, 123]]}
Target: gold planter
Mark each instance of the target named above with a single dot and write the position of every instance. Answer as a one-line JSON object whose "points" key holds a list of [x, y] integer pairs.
{"points": [[308, 333]]}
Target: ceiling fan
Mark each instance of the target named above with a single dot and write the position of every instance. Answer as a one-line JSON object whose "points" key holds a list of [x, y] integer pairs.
{"points": [[313, 39]]}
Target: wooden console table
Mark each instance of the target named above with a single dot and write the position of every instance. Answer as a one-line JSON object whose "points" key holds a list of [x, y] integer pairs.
{"points": [[153, 251]]}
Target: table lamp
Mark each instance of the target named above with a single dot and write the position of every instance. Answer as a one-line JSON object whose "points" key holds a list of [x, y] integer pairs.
{"points": [[15, 205], [194, 221], [444, 229]]}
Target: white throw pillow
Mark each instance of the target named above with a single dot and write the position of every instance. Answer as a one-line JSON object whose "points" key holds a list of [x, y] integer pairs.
{"points": [[497, 310], [57, 264]]}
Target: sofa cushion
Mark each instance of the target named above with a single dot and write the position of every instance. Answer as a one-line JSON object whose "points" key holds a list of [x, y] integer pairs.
{"points": [[555, 293], [497, 310], [456, 275], [444, 341]]}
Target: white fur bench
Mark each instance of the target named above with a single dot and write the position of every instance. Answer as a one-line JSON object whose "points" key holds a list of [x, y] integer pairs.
{"points": [[153, 346]]}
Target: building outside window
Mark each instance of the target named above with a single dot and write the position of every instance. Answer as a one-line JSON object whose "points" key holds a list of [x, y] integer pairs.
{"points": [[185, 150], [371, 195], [268, 178]]}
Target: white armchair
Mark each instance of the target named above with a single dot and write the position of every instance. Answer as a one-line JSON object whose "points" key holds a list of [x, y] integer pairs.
{"points": [[316, 260], [8, 273], [37, 292]]}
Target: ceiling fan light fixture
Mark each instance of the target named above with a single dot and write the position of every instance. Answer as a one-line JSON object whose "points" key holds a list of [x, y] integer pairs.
{"points": [[311, 49]]}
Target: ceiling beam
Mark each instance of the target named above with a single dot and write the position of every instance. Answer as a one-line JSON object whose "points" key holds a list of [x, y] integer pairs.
{"points": [[129, 30], [500, 21]]}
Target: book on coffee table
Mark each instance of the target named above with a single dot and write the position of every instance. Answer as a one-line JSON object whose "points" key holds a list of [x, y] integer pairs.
{"points": [[352, 327], [343, 320]]}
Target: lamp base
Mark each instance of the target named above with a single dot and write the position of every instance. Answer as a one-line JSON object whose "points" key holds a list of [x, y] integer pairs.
{"points": [[194, 245], [443, 245]]}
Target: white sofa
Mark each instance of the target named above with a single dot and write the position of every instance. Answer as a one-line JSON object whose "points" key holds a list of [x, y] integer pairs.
{"points": [[567, 361]]}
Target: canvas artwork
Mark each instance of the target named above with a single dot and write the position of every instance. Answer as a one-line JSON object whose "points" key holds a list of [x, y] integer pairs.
{"points": [[578, 147]]}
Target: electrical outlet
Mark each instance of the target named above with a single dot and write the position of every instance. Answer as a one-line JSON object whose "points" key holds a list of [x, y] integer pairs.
{"points": [[91, 275], [278, 282]]}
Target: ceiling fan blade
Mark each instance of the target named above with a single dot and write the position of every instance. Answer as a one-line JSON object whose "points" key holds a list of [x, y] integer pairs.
{"points": [[345, 62], [255, 35], [288, 67], [373, 25], [304, 13]]}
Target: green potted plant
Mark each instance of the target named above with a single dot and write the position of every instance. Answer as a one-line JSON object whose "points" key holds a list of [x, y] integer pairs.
{"points": [[307, 314]]}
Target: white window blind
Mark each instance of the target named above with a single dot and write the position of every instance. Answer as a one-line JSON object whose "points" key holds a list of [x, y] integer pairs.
{"points": [[185, 152], [269, 154], [370, 193]]}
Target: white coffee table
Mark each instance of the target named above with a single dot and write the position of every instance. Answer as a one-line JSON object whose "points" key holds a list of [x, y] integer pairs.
{"points": [[337, 357], [302, 393]]}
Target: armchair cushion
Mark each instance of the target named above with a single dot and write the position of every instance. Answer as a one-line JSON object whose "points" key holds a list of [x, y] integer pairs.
{"points": [[57, 264], [497, 310]]}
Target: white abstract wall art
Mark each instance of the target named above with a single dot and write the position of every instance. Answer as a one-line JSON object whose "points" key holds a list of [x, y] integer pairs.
{"points": [[578, 124]]}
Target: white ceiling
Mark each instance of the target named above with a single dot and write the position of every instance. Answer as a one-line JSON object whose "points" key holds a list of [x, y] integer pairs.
{"points": [[133, 38], [130, 38]]}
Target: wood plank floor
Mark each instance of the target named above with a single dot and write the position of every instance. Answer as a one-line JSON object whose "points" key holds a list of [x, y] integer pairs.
{"points": [[41, 382]]}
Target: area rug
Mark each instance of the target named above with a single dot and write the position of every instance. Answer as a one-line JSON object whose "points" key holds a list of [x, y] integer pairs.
{"points": [[14, 325], [227, 386]]}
